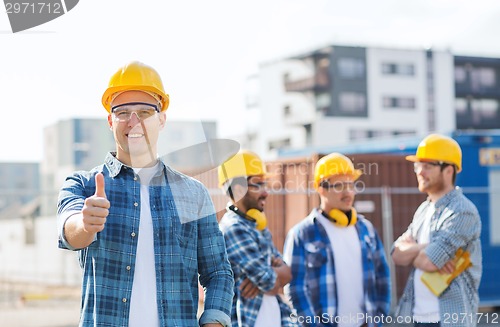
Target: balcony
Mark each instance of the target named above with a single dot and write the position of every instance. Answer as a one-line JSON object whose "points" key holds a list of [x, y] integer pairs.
{"points": [[464, 90], [318, 83]]}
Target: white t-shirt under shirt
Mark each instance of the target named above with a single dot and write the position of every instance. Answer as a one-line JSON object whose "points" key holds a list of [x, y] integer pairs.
{"points": [[269, 312], [348, 271], [143, 305], [426, 303]]}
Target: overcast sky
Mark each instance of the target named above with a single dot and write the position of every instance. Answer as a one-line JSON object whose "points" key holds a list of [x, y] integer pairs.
{"points": [[204, 51]]}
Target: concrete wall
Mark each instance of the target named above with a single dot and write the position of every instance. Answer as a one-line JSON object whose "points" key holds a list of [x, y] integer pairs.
{"points": [[39, 259]]}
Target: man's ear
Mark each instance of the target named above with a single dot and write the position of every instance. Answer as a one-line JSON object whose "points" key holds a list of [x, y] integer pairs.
{"points": [[239, 192], [321, 191], [163, 119], [451, 169], [110, 122]]}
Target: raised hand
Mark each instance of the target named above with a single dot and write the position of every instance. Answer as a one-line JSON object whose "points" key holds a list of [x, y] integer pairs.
{"points": [[95, 209]]}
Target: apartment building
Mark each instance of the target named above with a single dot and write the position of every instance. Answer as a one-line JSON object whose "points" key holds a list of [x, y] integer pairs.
{"points": [[339, 94], [477, 92], [19, 184]]}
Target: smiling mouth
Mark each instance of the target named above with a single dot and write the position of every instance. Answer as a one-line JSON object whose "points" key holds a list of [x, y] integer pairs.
{"points": [[135, 135]]}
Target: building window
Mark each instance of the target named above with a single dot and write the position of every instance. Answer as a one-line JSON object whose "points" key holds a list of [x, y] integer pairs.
{"points": [[483, 77], [363, 134], [29, 231], [351, 68], [278, 144], [398, 102], [460, 106], [460, 74], [358, 134], [323, 100], [308, 130], [398, 69], [477, 113], [484, 109], [352, 103], [287, 111]]}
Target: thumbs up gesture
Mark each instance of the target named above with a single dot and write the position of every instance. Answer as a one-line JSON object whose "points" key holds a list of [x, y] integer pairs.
{"points": [[95, 210]]}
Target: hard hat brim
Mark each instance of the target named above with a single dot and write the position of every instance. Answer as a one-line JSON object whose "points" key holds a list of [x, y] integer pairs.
{"points": [[355, 175], [107, 96], [412, 158]]}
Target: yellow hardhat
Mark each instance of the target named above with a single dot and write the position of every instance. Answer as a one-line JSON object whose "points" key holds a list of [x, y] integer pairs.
{"points": [[334, 164], [243, 164], [439, 148], [135, 76]]}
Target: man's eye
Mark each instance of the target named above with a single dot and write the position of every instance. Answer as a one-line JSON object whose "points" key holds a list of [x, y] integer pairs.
{"points": [[122, 113], [146, 113]]}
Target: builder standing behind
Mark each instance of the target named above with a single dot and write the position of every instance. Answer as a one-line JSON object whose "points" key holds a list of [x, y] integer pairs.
{"points": [[340, 273], [446, 222], [258, 267]]}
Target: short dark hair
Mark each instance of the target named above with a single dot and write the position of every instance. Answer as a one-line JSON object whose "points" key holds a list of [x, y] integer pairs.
{"points": [[454, 177], [242, 181]]}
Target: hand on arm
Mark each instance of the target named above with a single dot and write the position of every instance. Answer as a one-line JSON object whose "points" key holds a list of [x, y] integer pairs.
{"points": [[248, 289], [285, 272], [448, 267], [422, 262], [284, 276], [406, 249], [80, 229]]}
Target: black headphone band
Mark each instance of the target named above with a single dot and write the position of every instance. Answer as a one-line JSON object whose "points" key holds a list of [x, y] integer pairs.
{"points": [[327, 216], [240, 213], [324, 214]]}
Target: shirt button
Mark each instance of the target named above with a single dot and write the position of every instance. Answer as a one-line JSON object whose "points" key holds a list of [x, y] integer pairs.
{"points": [[124, 300], [135, 178], [136, 204], [132, 234], [128, 268]]}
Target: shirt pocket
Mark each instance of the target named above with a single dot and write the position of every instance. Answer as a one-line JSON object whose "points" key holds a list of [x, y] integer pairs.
{"points": [[315, 254], [186, 235]]}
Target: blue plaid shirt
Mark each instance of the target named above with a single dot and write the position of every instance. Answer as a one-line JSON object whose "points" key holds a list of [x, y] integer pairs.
{"points": [[250, 252], [313, 286], [187, 242]]}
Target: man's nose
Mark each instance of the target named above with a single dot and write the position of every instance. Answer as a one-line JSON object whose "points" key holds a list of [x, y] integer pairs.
{"points": [[133, 119]]}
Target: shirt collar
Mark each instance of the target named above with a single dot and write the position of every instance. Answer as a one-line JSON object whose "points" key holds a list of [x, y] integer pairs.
{"points": [[114, 165], [448, 197]]}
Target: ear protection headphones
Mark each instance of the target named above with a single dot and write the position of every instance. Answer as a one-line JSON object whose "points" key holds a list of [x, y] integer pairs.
{"points": [[252, 215], [341, 218]]}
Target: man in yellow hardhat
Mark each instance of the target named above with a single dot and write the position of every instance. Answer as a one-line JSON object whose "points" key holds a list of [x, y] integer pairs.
{"points": [[445, 223], [340, 272], [144, 232], [258, 267]]}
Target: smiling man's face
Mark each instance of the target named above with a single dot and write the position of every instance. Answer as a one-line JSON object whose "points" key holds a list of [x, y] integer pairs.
{"points": [[136, 139]]}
